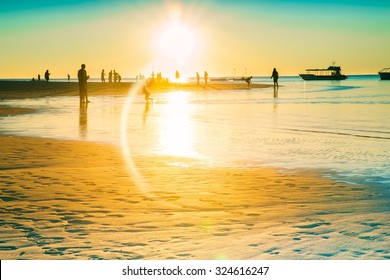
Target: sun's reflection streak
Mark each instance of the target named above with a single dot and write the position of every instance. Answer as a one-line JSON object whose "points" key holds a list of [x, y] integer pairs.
{"points": [[176, 130], [176, 138]]}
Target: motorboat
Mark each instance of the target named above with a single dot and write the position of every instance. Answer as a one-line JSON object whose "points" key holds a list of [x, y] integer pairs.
{"points": [[330, 73]]}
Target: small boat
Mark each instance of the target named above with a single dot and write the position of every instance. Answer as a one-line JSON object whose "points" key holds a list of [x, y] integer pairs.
{"points": [[384, 74], [245, 79], [330, 73], [219, 79]]}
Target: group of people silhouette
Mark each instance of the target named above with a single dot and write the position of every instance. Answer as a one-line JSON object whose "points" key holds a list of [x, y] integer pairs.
{"points": [[141, 77], [83, 78], [158, 78], [205, 78], [47, 77], [113, 76], [155, 78]]}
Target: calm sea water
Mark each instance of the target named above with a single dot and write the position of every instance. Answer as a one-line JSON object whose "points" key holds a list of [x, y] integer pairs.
{"points": [[341, 128]]}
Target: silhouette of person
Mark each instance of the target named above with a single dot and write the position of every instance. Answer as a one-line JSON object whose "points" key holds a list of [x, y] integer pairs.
{"points": [[103, 76], [177, 75], [248, 80], [206, 77], [197, 78], [146, 93], [68, 78], [275, 76], [115, 76], [47, 76], [39, 77], [83, 77], [110, 77]]}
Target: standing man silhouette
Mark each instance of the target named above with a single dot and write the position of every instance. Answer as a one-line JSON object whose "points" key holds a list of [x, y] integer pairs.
{"points": [[103, 76], [82, 75], [206, 77], [47, 76]]}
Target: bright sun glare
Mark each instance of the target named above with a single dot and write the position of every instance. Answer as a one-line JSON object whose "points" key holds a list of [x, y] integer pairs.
{"points": [[177, 42], [177, 130]]}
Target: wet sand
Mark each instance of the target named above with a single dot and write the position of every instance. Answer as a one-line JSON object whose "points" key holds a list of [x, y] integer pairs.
{"points": [[8, 111], [78, 200]]}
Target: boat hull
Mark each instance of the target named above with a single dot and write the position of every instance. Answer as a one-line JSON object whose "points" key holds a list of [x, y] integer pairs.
{"points": [[312, 77], [384, 76]]}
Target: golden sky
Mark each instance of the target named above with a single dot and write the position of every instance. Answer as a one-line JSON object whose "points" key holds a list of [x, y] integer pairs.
{"points": [[222, 37]]}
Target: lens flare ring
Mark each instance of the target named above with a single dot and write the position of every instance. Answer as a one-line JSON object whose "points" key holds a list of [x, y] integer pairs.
{"points": [[139, 180]]}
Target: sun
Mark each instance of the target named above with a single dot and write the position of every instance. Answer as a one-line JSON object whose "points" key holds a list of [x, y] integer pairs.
{"points": [[176, 42]]}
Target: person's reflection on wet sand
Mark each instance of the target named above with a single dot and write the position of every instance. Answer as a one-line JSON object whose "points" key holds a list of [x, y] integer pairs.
{"points": [[145, 114], [83, 120]]}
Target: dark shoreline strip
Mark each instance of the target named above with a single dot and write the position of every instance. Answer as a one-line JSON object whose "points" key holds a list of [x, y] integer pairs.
{"points": [[336, 133]]}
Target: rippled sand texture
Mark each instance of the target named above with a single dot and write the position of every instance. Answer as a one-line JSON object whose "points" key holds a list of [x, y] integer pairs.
{"points": [[72, 200]]}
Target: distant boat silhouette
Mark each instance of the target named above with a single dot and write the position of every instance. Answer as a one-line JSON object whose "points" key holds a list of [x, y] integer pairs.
{"points": [[240, 78], [384, 74], [220, 79], [330, 73]]}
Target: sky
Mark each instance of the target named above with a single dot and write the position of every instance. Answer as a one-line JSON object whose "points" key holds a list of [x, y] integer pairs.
{"points": [[225, 38]]}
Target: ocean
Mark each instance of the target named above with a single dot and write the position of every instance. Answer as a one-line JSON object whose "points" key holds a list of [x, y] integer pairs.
{"points": [[340, 129]]}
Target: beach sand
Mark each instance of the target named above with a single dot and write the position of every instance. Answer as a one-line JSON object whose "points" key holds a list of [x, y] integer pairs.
{"points": [[78, 200]]}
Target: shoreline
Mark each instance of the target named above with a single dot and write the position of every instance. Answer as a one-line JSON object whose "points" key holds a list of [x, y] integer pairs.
{"points": [[29, 89]]}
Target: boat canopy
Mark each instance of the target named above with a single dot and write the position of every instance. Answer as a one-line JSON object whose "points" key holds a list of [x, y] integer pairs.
{"points": [[330, 68]]}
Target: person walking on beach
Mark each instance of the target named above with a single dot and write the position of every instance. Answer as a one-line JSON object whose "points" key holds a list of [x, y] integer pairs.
{"points": [[103, 76], [39, 77], [146, 93], [83, 77], [248, 80], [197, 78], [68, 78], [206, 77], [275, 76], [47, 76]]}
